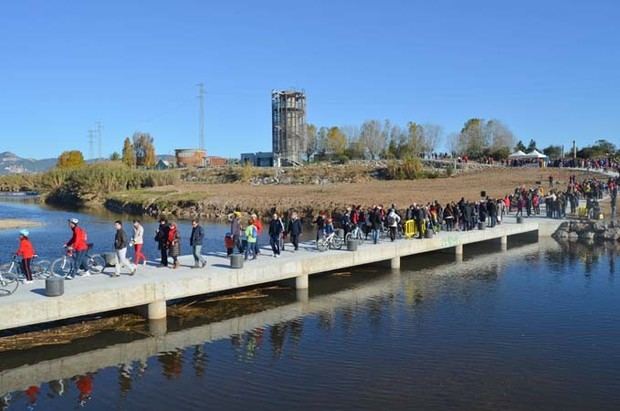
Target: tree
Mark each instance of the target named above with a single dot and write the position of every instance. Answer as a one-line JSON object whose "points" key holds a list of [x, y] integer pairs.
{"points": [[70, 159], [553, 152], [499, 136], [520, 146], [472, 140], [311, 141], [144, 149], [129, 154], [115, 156], [431, 136], [373, 138], [531, 146], [321, 142], [415, 139], [336, 142]]}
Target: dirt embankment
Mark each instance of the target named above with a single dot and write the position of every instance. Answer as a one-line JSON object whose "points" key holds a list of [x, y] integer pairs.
{"points": [[215, 201]]}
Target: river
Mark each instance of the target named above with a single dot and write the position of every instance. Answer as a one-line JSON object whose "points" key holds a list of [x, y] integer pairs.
{"points": [[536, 327]]}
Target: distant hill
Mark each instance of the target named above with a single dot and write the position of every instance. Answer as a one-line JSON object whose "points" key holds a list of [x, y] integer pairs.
{"points": [[11, 163]]}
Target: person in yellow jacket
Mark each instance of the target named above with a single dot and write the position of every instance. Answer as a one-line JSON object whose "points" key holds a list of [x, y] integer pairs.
{"points": [[251, 233]]}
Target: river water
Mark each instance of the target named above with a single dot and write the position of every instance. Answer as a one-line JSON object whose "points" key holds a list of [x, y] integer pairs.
{"points": [[536, 327]]}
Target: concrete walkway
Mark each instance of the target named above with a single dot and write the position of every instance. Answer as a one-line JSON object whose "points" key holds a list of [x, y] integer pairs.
{"points": [[153, 287], [86, 360]]}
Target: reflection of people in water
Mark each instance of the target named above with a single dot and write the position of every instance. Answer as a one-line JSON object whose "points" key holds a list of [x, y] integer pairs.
{"points": [[172, 364], [199, 360], [124, 378], [32, 393], [84, 385], [5, 402], [278, 336], [57, 387]]}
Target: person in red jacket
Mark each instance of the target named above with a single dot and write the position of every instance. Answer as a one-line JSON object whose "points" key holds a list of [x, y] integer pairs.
{"points": [[26, 252], [79, 244]]}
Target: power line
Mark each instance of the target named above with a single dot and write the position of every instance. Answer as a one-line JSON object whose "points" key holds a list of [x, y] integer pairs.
{"points": [[99, 128], [91, 144], [201, 118]]}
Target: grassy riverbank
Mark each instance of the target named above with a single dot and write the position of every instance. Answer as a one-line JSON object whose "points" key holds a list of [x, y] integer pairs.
{"points": [[10, 224]]}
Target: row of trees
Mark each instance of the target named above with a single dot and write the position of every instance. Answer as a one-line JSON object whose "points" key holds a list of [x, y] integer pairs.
{"points": [[372, 140], [375, 139], [600, 148]]}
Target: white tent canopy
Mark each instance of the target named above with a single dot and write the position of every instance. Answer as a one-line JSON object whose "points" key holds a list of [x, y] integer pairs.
{"points": [[518, 154], [536, 154]]}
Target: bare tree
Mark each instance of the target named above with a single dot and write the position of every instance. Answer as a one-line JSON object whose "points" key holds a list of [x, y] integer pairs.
{"points": [[499, 135], [373, 138], [432, 136]]}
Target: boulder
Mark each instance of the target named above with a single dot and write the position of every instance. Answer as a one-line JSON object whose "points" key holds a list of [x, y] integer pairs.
{"points": [[573, 236], [586, 235]]}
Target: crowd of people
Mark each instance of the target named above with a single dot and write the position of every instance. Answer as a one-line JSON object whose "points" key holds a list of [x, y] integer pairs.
{"points": [[243, 237]]}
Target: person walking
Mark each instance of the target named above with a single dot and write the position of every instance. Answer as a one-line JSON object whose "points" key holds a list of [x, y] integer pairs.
{"points": [[26, 252], [174, 245], [251, 234], [120, 247], [375, 221], [78, 244], [138, 242], [275, 230], [393, 219], [195, 241], [295, 229], [235, 231], [161, 236]]}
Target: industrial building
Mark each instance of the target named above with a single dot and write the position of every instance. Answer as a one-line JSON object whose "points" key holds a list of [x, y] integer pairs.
{"points": [[288, 113], [259, 159], [190, 157]]}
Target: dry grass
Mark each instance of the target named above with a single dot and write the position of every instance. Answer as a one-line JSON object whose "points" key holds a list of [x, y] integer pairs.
{"points": [[496, 183]]}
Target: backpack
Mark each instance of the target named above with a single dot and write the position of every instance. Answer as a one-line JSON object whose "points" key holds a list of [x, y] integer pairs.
{"points": [[391, 220]]}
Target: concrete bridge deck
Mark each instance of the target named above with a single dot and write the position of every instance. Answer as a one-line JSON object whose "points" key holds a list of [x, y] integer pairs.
{"points": [[24, 373], [153, 287]]}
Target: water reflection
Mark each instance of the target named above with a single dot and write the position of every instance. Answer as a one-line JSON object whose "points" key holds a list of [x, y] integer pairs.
{"points": [[480, 316]]}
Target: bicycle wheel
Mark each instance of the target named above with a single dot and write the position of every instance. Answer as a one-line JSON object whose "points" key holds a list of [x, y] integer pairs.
{"points": [[41, 269], [8, 284], [321, 245], [337, 243], [62, 267], [96, 264], [348, 237]]}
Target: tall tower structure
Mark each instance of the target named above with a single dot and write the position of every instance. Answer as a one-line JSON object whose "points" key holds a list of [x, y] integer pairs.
{"points": [[288, 114]]}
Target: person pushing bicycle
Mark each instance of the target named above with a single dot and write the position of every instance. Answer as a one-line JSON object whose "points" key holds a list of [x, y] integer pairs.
{"points": [[26, 252], [79, 245]]}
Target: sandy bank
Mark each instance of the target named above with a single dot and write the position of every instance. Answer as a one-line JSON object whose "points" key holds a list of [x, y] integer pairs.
{"points": [[8, 224]]}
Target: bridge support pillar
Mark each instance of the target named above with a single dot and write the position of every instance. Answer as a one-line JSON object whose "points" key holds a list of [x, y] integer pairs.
{"points": [[395, 263], [504, 243], [156, 310], [158, 328], [301, 282], [302, 295], [458, 250]]}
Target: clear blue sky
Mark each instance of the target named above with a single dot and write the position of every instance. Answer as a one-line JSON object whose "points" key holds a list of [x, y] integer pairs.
{"points": [[548, 69]]}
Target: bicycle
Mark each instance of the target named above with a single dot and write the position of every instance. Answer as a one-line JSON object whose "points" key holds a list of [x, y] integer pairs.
{"points": [[40, 268], [8, 283], [65, 265], [355, 234], [332, 241]]}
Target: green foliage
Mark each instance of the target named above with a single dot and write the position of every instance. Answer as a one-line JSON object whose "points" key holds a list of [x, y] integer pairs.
{"points": [[601, 148], [520, 146], [115, 156], [450, 170], [553, 152], [500, 153], [70, 159], [532, 145]]}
